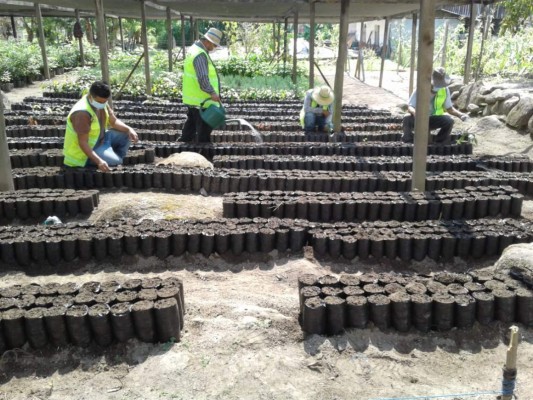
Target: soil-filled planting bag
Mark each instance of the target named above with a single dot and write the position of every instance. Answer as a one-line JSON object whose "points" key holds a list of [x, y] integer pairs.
{"points": [[485, 306], [335, 314], [307, 292], [13, 328], [78, 325], [380, 310], [505, 301], [356, 312], [465, 311], [327, 280], [167, 320], [121, 322], [401, 311], [144, 321], [524, 306], [100, 324], [443, 311], [422, 310], [307, 280], [35, 328], [56, 327], [314, 316]]}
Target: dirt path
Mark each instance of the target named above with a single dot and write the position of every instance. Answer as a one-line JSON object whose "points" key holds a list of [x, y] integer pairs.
{"points": [[242, 339]]}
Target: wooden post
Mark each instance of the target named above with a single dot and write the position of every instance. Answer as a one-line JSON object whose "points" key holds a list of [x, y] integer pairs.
{"points": [[170, 39], [471, 31], [6, 177], [13, 27], [509, 369], [359, 62], [384, 50], [444, 45], [102, 43], [413, 54], [295, 48], [191, 24], [339, 71], [80, 40], [42, 43], [486, 25], [144, 37], [196, 32], [285, 46], [400, 47], [426, 39], [183, 35], [311, 43], [121, 31]]}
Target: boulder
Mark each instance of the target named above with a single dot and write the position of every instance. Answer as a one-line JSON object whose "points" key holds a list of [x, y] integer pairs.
{"points": [[487, 111], [454, 95], [187, 159], [473, 109], [486, 124], [508, 105], [471, 94], [494, 96], [456, 86], [530, 125], [517, 260], [520, 114]]}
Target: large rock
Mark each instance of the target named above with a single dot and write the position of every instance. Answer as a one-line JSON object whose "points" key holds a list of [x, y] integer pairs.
{"points": [[520, 114], [486, 124], [517, 260], [187, 159], [471, 94], [507, 105], [455, 86], [494, 96], [530, 125]]}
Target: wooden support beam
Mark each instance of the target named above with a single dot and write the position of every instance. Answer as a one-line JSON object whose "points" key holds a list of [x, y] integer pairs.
{"points": [[413, 55], [102, 42], [121, 33], [384, 50], [311, 43], [144, 37], [295, 48], [183, 35], [285, 45], [42, 42], [6, 177], [13, 27], [341, 60], [471, 29], [80, 40], [170, 39], [426, 39]]}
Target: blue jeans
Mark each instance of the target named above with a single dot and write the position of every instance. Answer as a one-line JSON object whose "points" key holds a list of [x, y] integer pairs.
{"points": [[113, 148], [312, 120]]}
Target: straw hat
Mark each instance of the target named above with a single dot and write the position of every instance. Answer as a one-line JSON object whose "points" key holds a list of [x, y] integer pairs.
{"points": [[323, 95], [439, 79], [214, 36]]}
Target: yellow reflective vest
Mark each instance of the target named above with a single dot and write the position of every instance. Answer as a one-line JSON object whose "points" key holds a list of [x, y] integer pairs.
{"points": [[438, 102], [192, 94], [72, 152]]}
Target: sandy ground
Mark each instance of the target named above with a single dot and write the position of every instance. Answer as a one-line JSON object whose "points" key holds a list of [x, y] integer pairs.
{"points": [[242, 339]]}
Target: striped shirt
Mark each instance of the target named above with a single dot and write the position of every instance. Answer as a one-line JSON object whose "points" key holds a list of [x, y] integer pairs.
{"points": [[201, 68]]}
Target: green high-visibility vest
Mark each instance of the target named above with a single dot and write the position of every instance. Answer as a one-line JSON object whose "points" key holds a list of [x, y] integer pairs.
{"points": [[438, 102], [72, 152], [314, 104], [192, 94]]}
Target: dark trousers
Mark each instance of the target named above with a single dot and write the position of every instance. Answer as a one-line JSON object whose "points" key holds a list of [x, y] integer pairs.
{"points": [[195, 125], [444, 122]]}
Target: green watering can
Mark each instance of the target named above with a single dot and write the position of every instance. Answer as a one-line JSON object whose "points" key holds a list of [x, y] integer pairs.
{"points": [[213, 115]]}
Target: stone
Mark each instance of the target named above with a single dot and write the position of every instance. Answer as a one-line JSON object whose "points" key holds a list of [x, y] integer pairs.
{"points": [[187, 159], [456, 86], [486, 124], [487, 111], [517, 260], [470, 94], [530, 125], [508, 105], [473, 108], [455, 95], [494, 96], [520, 114]]}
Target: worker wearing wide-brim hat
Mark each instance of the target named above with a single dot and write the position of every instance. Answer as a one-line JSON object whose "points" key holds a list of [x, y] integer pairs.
{"points": [[201, 86], [440, 104], [317, 110]]}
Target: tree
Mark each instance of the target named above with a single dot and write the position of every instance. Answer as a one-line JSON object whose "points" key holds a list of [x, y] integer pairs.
{"points": [[517, 13]]}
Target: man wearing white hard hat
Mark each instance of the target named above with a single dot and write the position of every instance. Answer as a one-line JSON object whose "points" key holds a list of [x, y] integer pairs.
{"points": [[440, 104], [201, 86], [317, 110]]}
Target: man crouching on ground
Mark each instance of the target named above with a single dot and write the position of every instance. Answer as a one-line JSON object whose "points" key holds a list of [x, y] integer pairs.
{"points": [[94, 135]]}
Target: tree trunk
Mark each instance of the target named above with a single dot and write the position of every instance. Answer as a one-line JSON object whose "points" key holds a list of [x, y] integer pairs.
{"points": [[89, 30], [28, 28]]}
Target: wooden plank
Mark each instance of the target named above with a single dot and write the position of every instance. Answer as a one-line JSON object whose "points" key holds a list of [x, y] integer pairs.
{"points": [[42, 42], [144, 36], [384, 50], [102, 42], [341, 60], [471, 29], [413, 55], [311, 43]]}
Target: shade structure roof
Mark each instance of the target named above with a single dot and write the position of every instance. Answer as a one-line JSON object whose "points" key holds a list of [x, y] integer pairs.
{"points": [[326, 11]]}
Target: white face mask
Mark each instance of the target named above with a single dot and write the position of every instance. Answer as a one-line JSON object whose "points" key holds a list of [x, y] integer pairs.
{"points": [[98, 106]]}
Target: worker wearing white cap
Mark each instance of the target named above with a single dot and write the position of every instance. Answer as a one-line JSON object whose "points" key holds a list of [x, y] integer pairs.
{"points": [[317, 110], [201, 86]]}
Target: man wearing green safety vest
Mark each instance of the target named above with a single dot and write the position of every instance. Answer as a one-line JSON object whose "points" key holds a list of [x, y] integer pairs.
{"points": [[317, 110], [440, 103], [201, 86], [94, 135]]}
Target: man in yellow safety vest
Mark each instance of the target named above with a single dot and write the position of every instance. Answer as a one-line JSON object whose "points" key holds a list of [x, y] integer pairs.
{"points": [[94, 135], [317, 110], [201, 86], [440, 103]]}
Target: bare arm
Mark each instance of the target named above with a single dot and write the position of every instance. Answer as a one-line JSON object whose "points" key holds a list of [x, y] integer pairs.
{"points": [[121, 126], [81, 122], [458, 114]]}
